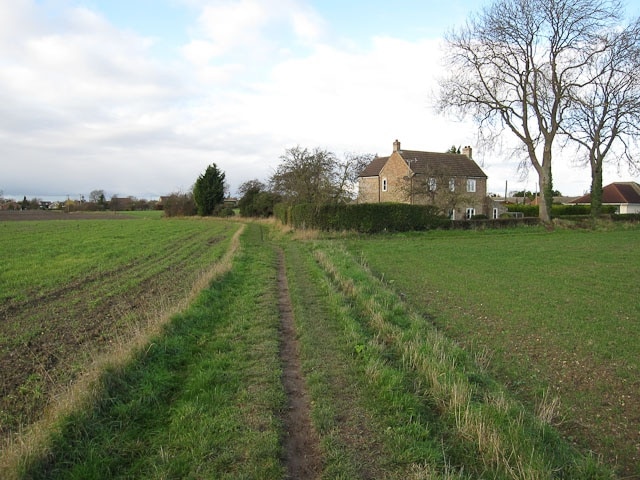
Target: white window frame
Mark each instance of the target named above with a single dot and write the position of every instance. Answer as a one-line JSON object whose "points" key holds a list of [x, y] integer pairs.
{"points": [[432, 184], [385, 185], [471, 185], [452, 184], [495, 213], [470, 213]]}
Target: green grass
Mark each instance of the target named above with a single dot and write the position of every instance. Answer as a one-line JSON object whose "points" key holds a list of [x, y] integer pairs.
{"points": [[202, 400], [554, 311], [40, 256]]}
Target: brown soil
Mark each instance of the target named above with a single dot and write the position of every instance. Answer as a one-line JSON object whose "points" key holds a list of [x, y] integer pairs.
{"points": [[302, 452]]}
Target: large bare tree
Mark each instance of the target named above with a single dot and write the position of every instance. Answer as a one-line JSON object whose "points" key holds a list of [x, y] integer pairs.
{"points": [[514, 66], [316, 176], [604, 119]]}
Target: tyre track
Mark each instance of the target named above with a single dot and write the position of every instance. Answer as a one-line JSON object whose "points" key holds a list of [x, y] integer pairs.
{"points": [[302, 456]]}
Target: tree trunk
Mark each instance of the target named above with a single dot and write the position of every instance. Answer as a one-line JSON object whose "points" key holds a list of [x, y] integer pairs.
{"points": [[546, 192], [596, 187]]}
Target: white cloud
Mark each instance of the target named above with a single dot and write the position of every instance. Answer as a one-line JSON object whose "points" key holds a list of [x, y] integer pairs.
{"points": [[307, 25], [233, 23]]}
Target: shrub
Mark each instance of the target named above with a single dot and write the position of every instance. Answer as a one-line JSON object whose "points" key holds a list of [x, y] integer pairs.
{"points": [[626, 217], [559, 210], [179, 205], [222, 210]]}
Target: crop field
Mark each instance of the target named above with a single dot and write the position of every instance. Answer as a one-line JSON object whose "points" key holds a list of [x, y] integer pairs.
{"points": [[557, 314], [439, 355], [70, 289]]}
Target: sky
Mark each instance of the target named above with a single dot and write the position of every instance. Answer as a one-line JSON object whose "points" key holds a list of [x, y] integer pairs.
{"points": [[138, 97]]}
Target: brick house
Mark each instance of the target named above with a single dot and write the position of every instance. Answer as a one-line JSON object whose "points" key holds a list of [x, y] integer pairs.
{"points": [[623, 195], [451, 181]]}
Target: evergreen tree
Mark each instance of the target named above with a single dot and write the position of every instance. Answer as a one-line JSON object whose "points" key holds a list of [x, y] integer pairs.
{"points": [[208, 191]]}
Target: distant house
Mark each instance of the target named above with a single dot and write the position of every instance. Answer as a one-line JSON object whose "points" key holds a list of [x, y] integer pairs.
{"points": [[231, 202], [624, 195], [451, 181]]}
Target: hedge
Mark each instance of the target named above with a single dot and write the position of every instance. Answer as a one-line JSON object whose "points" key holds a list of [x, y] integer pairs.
{"points": [[364, 218], [626, 217], [559, 210]]}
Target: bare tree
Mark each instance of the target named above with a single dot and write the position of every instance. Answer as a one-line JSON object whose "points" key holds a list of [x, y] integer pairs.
{"points": [[604, 118], [97, 200], [316, 176], [348, 169], [514, 65]]}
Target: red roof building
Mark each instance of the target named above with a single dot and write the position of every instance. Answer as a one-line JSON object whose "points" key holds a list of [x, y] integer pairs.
{"points": [[624, 195]]}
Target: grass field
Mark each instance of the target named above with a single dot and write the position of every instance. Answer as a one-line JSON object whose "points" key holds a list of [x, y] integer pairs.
{"points": [[423, 355], [71, 289], [557, 313]]}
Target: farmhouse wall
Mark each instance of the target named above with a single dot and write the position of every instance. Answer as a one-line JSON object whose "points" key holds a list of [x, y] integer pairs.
{"points": [[395, 171], [459, 200], [478, 200], [368, 190]]}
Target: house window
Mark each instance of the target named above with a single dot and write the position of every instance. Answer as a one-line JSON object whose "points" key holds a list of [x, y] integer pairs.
{"points": [[470, 213], [471, 184], [384, 184], [452, 184], [432, 185], [452, 214], [495, 213]]}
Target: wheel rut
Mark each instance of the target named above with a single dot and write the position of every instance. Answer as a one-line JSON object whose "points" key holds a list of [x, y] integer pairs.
{"points": [[302, 456]]}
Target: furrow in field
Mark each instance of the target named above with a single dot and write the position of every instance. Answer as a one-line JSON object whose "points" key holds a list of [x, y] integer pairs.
{"points": [[45, 342]]}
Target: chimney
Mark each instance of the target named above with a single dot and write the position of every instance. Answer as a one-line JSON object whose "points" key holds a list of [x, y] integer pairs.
{"points": [[467, 151], [396, 146]]}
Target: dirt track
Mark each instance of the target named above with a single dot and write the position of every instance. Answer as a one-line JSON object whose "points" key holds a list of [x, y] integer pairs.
{"points": [[302, 452]]}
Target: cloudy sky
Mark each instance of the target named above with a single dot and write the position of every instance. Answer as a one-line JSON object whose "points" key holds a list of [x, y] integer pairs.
{"points": [[137, 97]]}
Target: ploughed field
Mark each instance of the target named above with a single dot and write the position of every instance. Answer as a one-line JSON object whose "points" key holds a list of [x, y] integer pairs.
{"points": [[71, 289], [454, 355]]}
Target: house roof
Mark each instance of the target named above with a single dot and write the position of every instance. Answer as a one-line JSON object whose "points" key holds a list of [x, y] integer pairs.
{"points": [[434, 163], [430, 163], [373, 169], [616, 193]]}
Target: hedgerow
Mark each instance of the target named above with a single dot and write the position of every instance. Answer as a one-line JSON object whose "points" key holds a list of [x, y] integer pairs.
{"points": [[559, 210], [364, 218]]}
